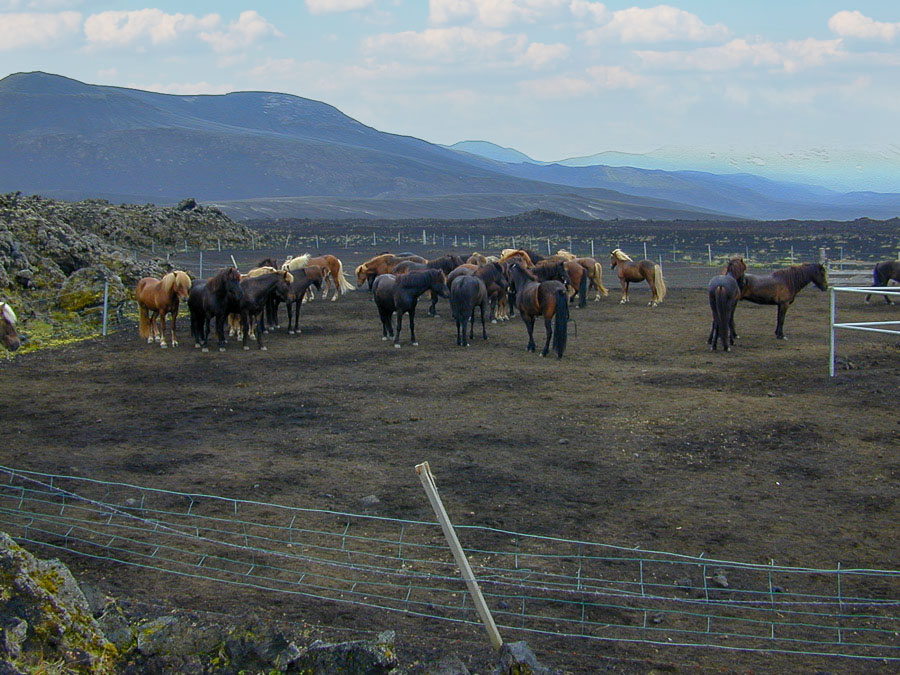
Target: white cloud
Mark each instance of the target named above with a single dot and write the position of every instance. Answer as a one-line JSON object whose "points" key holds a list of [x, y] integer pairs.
{"points": [[246, 31], [450, 45], [185, 88], [491, 13], [570, 86], [615, 77], [123, 28], [655, 24], [789, 56], [40, 5], [595, 11], [855, 24], [36, 29], [331, 6], [538, 55]]}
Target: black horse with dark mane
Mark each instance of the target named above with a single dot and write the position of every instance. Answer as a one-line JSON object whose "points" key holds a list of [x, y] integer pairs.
{"points": [[466, 293], [884, 273], [781, 287], [401, 295], [216, 297], [724, 293]]}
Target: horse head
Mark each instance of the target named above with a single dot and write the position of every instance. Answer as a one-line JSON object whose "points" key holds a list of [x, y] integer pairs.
{"points": [[736, 268], [8, 335], [563, 274], [439, 284], [232, 281], [820, 276], [362, 275]]}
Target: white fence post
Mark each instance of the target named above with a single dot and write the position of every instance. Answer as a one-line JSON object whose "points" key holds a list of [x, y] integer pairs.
{"points": [[459, 555]]}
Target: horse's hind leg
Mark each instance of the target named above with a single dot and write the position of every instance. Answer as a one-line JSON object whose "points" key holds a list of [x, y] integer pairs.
{"points": [[399, 327], [779, 326], [483, 329], [529, 325], [412, 326], [548, 326], [624, 292]]}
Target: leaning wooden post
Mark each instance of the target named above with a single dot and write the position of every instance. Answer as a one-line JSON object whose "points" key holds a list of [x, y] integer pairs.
{"points": [[465, 570]]}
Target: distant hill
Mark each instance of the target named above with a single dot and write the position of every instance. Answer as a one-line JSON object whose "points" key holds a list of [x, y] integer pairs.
{"points": [[63, 138]]}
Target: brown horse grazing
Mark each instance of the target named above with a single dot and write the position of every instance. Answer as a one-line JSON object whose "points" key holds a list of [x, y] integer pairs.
{"points": [[781, 287], [156, 298], [541, 298], [383, 263], [629, 271], [335, 279], [8, 335], [883, 274], [595, 276]]}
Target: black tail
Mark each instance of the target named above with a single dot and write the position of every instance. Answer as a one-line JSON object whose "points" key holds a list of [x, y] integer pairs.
{"points": [[721, 317], [561, 322], [582, 290]]}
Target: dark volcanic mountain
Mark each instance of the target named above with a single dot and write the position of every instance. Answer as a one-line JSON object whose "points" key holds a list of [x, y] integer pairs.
{"points": [[67, 139]]}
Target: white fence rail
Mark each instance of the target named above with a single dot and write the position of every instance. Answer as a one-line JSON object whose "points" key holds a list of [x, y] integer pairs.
{"points": [[865, 326]]}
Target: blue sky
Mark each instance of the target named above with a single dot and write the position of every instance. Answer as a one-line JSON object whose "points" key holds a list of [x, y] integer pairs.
{"points": [[552, 78]]}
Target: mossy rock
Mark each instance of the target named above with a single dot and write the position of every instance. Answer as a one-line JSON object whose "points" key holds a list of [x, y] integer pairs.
{"points": [[84, 288]]}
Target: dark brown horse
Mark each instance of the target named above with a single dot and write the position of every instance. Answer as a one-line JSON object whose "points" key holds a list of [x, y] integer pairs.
{"points": [[8, 335], [541, 298], [883, 274], [577, 276], [156, 298], [311, 276], [644, 270], [467, 293], [257, 287], [216, 297], [724, 293], [401, 294], [781, 287]]}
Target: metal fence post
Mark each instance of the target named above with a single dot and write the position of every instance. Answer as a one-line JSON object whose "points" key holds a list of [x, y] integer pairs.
{"points": [[105, 305], [200, 273]]}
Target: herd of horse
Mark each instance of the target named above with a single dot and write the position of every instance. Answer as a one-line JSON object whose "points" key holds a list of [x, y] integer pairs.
{"points": [[520, 280]]}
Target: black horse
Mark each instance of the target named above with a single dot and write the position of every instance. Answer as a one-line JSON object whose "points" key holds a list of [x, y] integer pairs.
{"points": [[446, 264], [311, 276], [401, 294], [883, 273], [542, 298], [257, 291], [467, 293], [724, 293], [218, 296]]}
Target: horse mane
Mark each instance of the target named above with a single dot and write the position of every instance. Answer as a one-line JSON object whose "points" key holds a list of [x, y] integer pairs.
{"points": [[297, 262], [413, 277], [508, 253], [528, 273], [260, 271], [563, 253], [7, 313], [797, 276], [620, 255], [167, 282], [220, 277]]}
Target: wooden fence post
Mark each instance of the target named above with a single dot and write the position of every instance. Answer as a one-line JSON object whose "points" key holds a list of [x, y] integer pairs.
{"points": [[459, 555]]}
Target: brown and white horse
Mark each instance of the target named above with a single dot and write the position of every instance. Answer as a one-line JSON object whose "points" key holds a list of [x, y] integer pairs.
{"points": [[629, 271], [8, 335], [156, 298], [335, 278]]}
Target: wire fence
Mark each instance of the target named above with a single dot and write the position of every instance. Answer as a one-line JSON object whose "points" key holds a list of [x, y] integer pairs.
{"points": [[536, 585]]}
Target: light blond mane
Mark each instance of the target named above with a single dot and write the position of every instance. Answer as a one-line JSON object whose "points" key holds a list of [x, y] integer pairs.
{"points": [[259, 271], [296, 263], [619, 254], [563, 253], [177, 280], [8, 313]]}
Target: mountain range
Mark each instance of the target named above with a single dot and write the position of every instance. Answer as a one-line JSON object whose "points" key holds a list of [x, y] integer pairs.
{"points": [[263, 154]]}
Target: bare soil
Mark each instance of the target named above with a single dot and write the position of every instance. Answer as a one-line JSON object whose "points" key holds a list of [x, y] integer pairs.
{"points": [[753, 455]]}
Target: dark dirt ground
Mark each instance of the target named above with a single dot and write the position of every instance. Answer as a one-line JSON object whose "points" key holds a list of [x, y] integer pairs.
{"points": [[751, 455]]}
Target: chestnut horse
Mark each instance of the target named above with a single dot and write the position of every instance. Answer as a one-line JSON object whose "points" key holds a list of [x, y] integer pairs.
{"points": [[156, 298], [335, 278], [781, 287], [541, 298], [724, 293], [629, 271], [8, 335], [883, 274], [595, 275], [383, 263]]}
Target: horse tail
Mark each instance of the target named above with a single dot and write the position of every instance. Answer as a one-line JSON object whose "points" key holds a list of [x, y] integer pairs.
{"points": [[598, 279], [341, 280], [144, 320], [658, 283], [561, 323], [582, 289]]}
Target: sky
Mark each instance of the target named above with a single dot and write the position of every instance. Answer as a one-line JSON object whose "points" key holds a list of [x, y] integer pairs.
{"points": [[551, 78]]}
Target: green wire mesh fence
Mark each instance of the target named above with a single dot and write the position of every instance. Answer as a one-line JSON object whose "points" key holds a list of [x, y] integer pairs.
{"points": [[576, 590]]}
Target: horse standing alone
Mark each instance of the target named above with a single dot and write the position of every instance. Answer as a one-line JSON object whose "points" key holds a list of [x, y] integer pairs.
{"points": [[781, 287], [629, 271], [156, 298]]}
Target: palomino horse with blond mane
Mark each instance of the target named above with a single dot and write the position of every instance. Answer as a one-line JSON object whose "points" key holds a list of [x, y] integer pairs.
{"points": [[335, 278], [158, 297], [8, 335], [644, 270]]}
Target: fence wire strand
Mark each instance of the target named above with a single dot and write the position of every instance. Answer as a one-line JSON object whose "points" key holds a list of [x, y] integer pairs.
{"points": [[541, 585]]}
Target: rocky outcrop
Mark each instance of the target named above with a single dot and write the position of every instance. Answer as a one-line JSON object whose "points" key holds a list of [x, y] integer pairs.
{"points": [[45, 616]]}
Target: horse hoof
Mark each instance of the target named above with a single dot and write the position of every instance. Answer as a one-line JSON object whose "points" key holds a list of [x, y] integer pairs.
{"points": [[246, 349], [221, 349], [384, 338], [263, 349], [493, 320], [149, 340], [396, 346], [174, 343], [196, 345], [163, 345], [205, 350], [415, 344]]}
